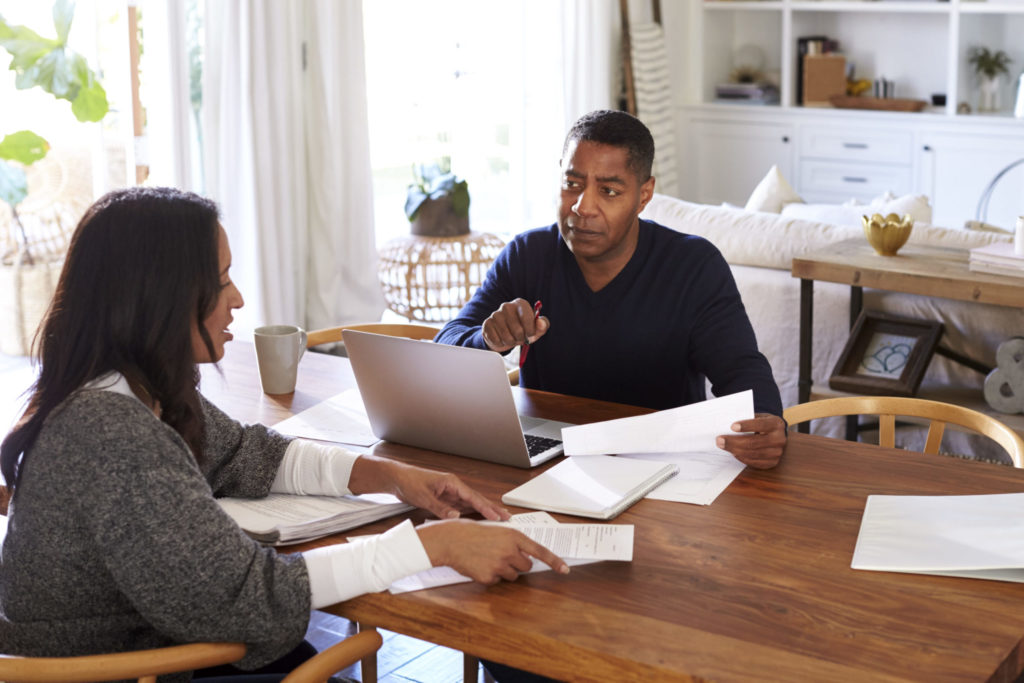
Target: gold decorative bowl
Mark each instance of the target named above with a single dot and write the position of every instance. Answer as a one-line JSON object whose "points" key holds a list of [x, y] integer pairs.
{"points": [[887, 234]]}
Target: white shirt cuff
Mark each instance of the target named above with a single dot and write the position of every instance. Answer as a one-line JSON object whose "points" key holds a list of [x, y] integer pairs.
{"points": [[367, 565], [313, 469]]}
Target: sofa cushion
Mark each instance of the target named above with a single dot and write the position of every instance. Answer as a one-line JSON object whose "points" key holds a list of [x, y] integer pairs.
{"points": [[850, 213], [772, 193], [770, 240]]}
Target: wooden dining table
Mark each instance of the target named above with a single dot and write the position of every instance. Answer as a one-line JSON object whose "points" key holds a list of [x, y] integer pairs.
{"points": [[755, 586]]}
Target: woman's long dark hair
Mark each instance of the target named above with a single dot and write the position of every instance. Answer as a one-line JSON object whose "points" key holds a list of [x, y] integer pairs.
{"points": [[141, 273]]}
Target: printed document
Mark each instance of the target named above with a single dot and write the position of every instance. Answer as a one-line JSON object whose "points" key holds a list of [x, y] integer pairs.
{"points": [[979, 536], [575, 543], [683, 436], [340, 419]]}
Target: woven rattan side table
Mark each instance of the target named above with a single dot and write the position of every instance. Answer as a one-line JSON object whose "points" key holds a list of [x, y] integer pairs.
{"points": [[430, 278]]}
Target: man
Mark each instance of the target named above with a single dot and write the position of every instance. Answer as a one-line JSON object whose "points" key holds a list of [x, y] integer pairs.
{"points": [[633, 312]]}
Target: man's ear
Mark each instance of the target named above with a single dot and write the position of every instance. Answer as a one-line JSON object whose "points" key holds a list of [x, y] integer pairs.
{"points": [[646, 192]]}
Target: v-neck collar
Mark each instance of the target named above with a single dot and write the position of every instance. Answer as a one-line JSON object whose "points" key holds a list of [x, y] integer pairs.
{"points": [[622, 280]]}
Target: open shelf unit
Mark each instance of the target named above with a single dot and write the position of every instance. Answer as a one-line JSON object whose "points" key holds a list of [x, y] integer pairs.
{"points": [[921, 45]]}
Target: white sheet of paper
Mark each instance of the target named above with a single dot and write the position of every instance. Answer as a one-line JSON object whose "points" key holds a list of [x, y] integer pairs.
{"points": [[340, 419], [687, 428], [977, 536], [600, 541], [702, 476]]}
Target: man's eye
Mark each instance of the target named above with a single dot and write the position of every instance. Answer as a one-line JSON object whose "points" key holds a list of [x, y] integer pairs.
{"points": [[611, 192]]}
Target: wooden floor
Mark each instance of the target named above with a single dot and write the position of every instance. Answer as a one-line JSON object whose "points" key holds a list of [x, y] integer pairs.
{"points": [[400, 660]]}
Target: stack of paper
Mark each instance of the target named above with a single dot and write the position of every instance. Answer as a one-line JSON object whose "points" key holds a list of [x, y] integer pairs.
{"points": [[682, 436], [978, 537], [998, 259], [281, 518], [600, 486]]}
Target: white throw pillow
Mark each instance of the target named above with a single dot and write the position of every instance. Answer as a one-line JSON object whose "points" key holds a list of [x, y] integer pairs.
{"points": [[836, 214], [772, 193], [916, 205]]}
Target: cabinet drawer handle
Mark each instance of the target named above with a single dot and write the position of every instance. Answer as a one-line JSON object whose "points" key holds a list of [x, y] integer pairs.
{"points": [[855, 145], [853, 179]]}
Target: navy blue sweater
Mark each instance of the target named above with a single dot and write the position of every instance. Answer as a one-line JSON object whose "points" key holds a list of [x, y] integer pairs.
{"points": [[649, 338]]}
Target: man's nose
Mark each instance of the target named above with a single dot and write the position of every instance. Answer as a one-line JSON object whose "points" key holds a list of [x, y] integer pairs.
{"points": [[584, 203]]}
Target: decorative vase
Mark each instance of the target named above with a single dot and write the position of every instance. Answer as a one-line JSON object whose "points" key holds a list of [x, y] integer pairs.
{"points": [[988, 92]]}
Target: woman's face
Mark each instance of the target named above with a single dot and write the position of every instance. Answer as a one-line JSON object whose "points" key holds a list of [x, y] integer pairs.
{"points": [[217, 322]]}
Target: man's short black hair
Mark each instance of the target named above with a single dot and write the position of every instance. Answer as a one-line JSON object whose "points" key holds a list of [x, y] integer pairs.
{"points": [[618, 129]]}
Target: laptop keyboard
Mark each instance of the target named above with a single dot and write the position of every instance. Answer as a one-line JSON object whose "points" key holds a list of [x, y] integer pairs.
{"points": [[538, 444]]}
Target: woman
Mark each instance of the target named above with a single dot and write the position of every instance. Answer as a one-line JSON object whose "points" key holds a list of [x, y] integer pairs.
{"points": [[115, 541]]}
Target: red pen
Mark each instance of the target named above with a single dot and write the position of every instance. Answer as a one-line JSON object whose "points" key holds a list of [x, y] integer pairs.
{"points": [[526, 347]]}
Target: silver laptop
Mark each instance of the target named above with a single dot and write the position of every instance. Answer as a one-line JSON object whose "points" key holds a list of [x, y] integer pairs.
{"points": [[446, 398]]}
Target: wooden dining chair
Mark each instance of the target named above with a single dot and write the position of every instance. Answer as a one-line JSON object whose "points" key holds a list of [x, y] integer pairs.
{"points": [[938, 414], [146, 665], [332, 335], [329, 335]]}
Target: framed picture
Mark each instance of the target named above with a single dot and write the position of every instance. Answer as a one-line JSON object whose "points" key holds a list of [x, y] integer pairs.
{"points": [[885, 355]]}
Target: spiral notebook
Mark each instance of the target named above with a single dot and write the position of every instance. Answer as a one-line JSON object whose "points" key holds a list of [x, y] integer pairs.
{"points": [[599, 486]]}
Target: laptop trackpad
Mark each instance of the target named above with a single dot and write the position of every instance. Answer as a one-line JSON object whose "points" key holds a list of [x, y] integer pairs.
{"points": [[541, 427]]}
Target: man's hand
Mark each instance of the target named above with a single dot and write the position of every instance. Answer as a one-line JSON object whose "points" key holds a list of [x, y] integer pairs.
{"points": [[762, 448], [513, 324], [440, 493], [484, 552]]}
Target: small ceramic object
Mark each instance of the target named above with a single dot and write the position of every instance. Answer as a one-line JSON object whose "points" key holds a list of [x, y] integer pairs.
{"points": [[887, 233]]}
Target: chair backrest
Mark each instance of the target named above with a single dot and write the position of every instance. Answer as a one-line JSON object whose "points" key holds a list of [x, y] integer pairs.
{"points": [[330, 335], [887, 408], [146, 665]]}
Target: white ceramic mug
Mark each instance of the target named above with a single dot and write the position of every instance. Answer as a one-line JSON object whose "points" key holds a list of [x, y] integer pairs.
{"points": [[278, 350]]}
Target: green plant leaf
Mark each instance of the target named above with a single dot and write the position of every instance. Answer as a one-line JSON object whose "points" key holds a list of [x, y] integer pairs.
{"points": [[13, 184], [460, 198], [24, 146], [54, 73], [91, 103], [25, 45], [413, 201], [63, 13]]}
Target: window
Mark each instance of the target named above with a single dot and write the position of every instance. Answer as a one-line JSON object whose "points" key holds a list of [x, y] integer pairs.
{"points": [[472, 82]]}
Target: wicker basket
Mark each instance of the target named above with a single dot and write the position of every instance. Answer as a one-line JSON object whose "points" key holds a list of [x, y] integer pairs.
{"points": [[430, 278], [32, 254]]}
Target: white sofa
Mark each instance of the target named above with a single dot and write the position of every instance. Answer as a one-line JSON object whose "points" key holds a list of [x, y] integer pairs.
{"points": [[760, 247]]}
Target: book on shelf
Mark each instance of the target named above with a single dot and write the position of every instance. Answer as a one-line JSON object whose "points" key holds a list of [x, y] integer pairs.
{"points": [[998, 258], [282, 518], [753, 93], [598, 486]]}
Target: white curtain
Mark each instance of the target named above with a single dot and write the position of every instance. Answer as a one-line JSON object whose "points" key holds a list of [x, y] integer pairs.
{"points": [[591, 62], [286, 157]]}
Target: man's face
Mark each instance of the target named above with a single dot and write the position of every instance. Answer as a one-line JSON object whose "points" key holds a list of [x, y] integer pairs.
{"points": [[601, 200]]}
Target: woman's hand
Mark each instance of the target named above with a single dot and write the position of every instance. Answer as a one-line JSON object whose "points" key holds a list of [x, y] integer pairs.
{"points": [[484, 552], [440, 493]]}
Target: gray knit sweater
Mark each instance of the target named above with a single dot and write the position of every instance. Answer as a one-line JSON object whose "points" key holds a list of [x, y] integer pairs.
{"points": [[115, 541]]}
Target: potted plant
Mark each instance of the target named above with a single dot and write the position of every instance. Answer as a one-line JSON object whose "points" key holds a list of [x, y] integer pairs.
{"points": [[989, 67], [437, 203], [28, 270]]}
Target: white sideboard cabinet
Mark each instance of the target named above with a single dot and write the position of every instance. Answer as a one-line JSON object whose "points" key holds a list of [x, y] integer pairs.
{"points": [[832, 156]]}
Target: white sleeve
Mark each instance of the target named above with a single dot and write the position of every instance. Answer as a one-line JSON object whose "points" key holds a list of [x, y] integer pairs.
{"points": [[368, 565], [310, 468]]}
